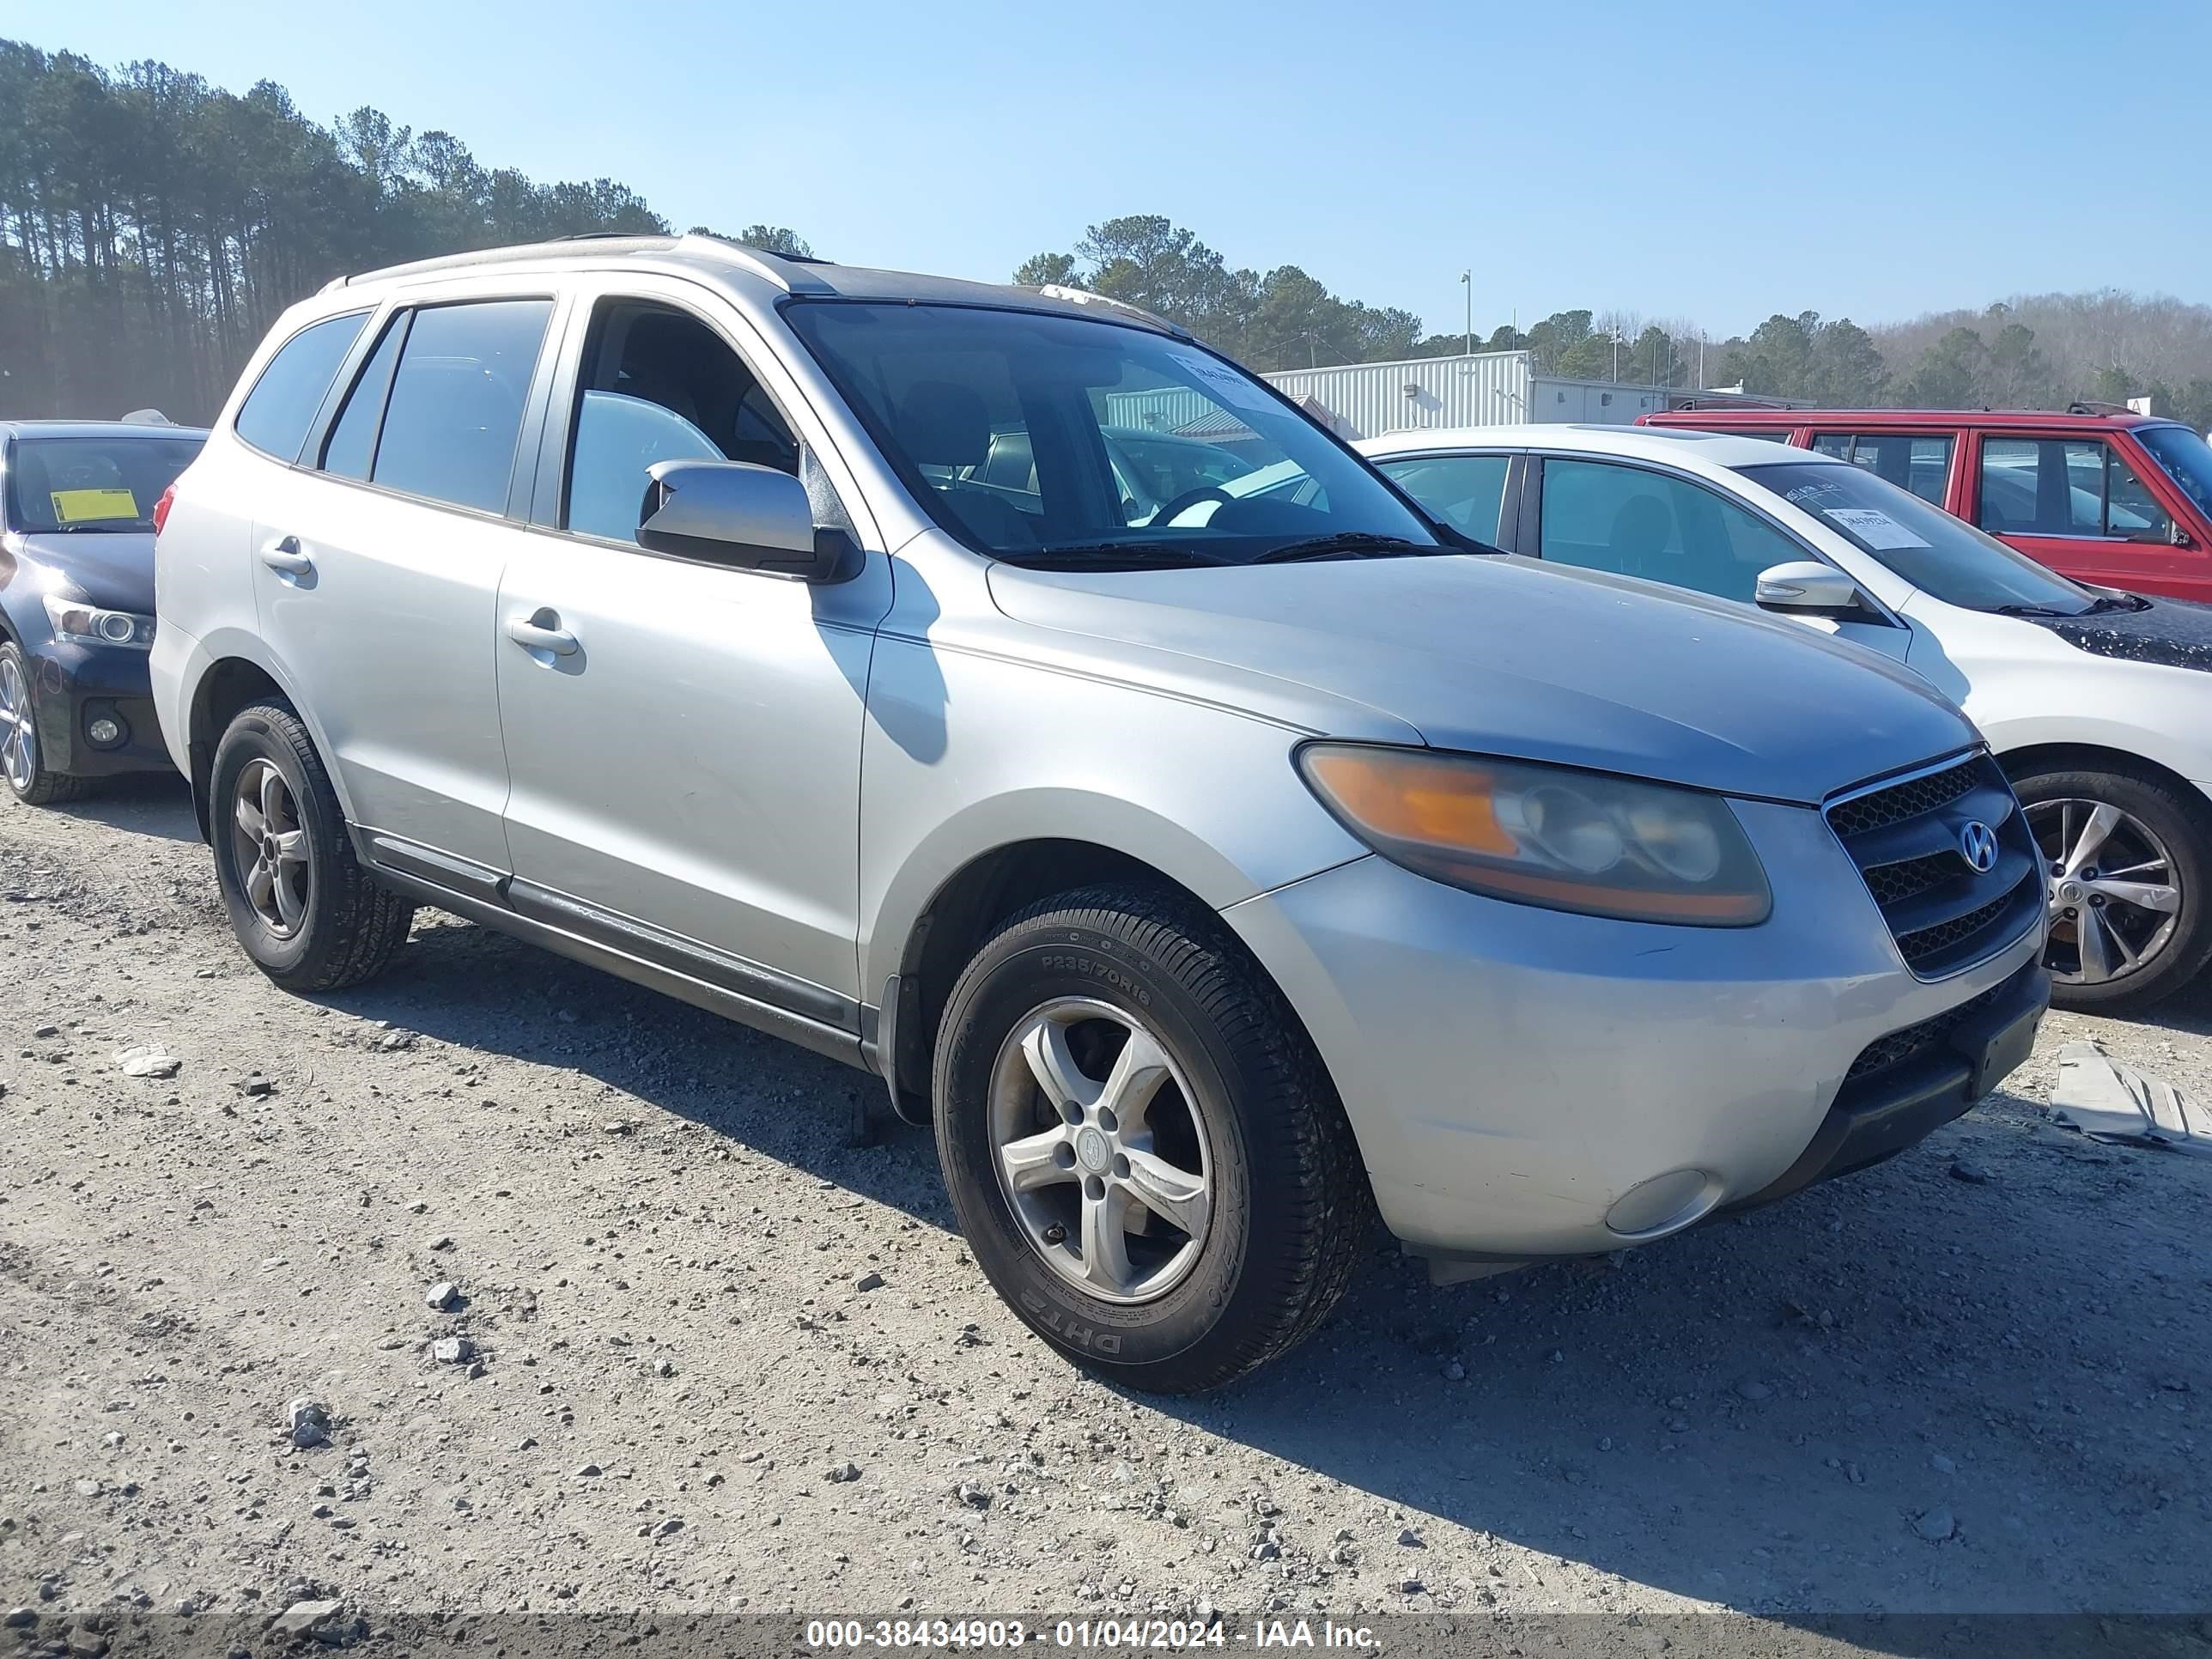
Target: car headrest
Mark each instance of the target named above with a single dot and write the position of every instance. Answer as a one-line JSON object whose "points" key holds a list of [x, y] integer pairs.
{"points": [[942, 424], [1641, 524]]}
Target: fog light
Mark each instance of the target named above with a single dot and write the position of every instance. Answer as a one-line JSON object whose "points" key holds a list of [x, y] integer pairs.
{"points": [[1663, 1204], [105, 730]]}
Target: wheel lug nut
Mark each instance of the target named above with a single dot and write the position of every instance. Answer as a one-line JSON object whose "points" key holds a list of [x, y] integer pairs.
{"points": [[1120, 1166], [1106, 1120]]}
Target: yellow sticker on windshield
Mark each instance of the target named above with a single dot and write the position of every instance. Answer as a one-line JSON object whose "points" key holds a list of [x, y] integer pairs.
{"points": [[84, 506]]}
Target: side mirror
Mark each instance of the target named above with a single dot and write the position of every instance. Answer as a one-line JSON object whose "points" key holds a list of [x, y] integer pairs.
{"points": [[746, 517], [1806, 587]]}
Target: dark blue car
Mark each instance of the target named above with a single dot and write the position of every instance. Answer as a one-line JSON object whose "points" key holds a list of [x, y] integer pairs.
{"points": [[77, 501]]}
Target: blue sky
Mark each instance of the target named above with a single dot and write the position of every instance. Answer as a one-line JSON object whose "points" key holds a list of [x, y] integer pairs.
{"points": [[1713, 161]]}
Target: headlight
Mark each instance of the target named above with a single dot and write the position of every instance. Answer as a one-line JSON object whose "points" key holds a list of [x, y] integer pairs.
{"points": [[1546, 834], [73, 619]]}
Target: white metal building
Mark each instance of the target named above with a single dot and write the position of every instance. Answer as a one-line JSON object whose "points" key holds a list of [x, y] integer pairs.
{"points": [[1365, 400], [1489, 388]]}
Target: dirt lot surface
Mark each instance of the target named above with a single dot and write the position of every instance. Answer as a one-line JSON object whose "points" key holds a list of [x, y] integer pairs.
{"points": [[716, 1358]]}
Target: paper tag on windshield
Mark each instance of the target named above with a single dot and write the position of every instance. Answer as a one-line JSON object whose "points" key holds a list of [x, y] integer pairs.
{"points": [[1873, 527], [86, 506], [1220, 382]]}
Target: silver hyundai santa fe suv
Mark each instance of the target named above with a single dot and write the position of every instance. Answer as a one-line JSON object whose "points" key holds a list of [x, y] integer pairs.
{"points": [[1210, 871]]}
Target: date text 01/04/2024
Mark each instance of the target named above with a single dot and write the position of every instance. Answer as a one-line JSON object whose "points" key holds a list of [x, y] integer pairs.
{"points": [[1085, 1633]]}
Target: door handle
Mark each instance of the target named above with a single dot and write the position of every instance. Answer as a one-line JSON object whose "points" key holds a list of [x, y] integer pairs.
{"points": [[285, 557], [533, 635]]}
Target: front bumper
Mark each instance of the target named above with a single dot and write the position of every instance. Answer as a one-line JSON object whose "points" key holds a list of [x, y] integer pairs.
{"points": [[71, 684], [1941, 1070], [1527, 1083]]}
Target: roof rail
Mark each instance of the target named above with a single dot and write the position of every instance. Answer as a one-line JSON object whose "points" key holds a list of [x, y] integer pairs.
{"points": [[1743, 400], [563, 248], [2093, 406], [788, 273], [1084, 296]]}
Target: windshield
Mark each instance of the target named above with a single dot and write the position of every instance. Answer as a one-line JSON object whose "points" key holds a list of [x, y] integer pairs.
{"points": [[93, 483], [1940, 555], [2186, 458], [1057, 440]]}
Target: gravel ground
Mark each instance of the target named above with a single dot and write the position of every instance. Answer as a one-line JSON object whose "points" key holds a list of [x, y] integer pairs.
{"points": [[710, 1357]]}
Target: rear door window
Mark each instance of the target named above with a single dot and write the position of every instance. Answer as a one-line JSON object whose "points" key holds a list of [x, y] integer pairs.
{"points": [[455, 412], [276, 414], [1634, 522], [351, 448], [1462, 491], [2077, 487], [1919, 462]]}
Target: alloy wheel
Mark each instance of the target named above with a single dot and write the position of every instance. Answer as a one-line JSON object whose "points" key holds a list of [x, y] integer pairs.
{"points": [[1102, 1150], [19, 739], [269, 848], [2114, 894]]}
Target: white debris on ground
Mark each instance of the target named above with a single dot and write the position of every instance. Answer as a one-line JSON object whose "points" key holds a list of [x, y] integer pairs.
{"points": [[2110, 1101]]}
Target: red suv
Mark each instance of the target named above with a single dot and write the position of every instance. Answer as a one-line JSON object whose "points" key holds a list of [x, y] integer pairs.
{"points": [[2097, 492]]}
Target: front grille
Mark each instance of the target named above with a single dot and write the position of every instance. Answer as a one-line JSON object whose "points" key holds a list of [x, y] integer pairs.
{"points": [[1905, 839], [1893, 884], [1913, 1041], [1925, 942], [1913, 799]]}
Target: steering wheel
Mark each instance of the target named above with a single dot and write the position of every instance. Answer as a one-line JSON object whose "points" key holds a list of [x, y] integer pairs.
{"points": [[1188, 499]]}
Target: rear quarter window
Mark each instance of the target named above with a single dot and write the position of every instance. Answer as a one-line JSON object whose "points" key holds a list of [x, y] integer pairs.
{"points": [[275, 415]]}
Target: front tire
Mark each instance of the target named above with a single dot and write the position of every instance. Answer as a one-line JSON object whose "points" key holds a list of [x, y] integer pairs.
{"points": [[22, 762], [309, 914], [1144, 1152], [2127, 865]]}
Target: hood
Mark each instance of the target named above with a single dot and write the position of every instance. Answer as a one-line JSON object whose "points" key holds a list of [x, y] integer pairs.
{"points": [[112, 571], [2172, 633], [1515, 657]]}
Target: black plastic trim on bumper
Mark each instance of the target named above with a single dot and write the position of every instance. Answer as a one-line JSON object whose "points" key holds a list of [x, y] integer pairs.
{"points": [[1879, 1115]]}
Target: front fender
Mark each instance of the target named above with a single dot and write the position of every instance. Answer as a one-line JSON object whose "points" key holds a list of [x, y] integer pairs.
{"points": [[1011, 753], [2183, 747]]}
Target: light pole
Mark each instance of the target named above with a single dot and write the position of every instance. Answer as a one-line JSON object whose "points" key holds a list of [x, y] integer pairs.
{"points": [[1467, 281]]}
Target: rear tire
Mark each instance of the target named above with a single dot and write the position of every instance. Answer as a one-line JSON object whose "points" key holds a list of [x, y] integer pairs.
{"points": [[2157, 841], [22, 760], [1230, 1125], [308, 913]]}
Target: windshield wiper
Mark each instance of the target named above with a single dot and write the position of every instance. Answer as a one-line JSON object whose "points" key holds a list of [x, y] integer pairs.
{"points": [[1109, 556], [2119, 602], [2033, 610], [1350, 543], [110, 528]]}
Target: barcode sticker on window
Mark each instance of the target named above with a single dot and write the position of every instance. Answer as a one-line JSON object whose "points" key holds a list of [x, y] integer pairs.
{"points": [[1873, 527]]}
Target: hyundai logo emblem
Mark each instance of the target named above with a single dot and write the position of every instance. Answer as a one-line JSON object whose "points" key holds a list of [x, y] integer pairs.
{"points": [[1977, 845]]}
